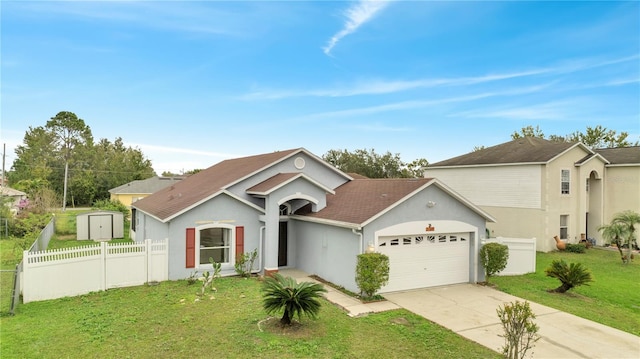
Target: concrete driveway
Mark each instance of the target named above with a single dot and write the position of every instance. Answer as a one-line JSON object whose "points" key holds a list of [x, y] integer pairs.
{"points": [[470, 311]]}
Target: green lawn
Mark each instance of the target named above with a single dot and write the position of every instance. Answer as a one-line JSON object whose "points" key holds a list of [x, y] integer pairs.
{"points": [[165, 321], [612, 299]]}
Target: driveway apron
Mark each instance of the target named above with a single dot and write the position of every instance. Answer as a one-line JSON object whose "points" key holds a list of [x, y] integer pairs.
{"points": [[470, 311]]}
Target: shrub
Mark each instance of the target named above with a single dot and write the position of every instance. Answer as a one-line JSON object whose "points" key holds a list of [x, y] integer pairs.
{"points": [[572, 275], [372, 273], [493, 257], [244, 263], [283, 293], [576, 248], [520, 332], [112, 205]]}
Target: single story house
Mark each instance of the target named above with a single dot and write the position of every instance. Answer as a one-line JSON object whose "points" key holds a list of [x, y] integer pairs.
{"points": [[539, 188], [16, 200], [138, 189], [298, 211]]}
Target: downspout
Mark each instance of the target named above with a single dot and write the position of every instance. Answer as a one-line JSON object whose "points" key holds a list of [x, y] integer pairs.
{"points": [[354, 231], [261, 248]]}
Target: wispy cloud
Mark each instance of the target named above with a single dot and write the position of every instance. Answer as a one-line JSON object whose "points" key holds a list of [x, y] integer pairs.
{"points": [[356, 15], [380, 87], [178, 150]]}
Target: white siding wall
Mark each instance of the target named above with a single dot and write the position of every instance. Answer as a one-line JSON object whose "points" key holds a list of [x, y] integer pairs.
{"points": [[496, 186]]}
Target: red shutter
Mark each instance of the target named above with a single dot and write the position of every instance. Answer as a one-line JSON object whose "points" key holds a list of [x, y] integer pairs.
{"points": [[191, 248], [239, 242]]}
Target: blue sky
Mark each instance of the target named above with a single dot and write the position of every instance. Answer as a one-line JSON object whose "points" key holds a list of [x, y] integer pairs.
{"points": [[193, 83]]}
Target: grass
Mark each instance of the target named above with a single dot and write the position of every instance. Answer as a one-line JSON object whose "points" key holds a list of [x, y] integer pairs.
{"points": [[166, 321], [65, 236], [8, 261], [613, 299]]}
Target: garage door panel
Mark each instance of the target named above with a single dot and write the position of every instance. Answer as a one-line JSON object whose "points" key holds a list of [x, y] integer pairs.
{"points": [[426, 260]]}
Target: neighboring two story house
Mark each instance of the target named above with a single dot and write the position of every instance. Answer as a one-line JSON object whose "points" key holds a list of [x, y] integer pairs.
{"points": [[298, 211], [539, 188]]}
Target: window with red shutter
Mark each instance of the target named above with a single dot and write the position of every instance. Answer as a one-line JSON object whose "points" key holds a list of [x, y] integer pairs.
{"points": [[191, 248]]}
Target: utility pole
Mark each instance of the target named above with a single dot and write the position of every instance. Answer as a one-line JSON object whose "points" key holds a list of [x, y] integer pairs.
{"points": [[4, 154]]}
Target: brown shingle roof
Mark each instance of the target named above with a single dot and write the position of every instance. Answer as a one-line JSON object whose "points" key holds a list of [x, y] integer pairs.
{"points": [[360, 199], [521, 150], [621, 155], [174, 199], [272, 182]]}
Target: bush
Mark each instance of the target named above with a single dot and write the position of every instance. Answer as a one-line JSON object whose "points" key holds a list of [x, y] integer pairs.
{"points": [[283, 293], [572, 275], [372, 273], [493, 257], [576, 248], [112, 205], [520, 332], [244, 263]]}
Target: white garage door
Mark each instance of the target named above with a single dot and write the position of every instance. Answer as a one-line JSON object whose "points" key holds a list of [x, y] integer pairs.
{"points": [[425, 260]]}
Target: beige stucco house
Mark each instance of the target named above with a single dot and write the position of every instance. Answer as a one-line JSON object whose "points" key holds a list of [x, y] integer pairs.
{"points": [[539, 188]]}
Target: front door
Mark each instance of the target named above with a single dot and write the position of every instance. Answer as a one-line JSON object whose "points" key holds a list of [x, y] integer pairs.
{"points": [[282, 245]]}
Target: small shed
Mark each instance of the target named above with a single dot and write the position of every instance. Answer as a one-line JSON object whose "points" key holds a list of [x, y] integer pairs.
{"points": [[100, 225]]}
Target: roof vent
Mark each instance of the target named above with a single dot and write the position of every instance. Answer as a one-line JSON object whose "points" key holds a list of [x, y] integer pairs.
{"points": [[299, 163]]}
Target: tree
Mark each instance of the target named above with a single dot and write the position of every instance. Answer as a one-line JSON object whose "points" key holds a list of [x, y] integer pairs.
{"points": [[520, 332], [615, 233], [67, 131], [528, 131], [283, 293], [373, 165], [600, 137], [593, 137], [88, 172], [628, 219], [570, 276]]}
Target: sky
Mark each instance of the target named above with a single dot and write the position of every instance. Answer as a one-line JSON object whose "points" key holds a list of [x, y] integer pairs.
{"points": [[192, 83]]}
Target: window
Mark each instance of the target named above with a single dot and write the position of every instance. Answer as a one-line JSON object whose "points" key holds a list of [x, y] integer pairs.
{"points": [[215, 243], [564, 182], [587, 185], [564, 221]]}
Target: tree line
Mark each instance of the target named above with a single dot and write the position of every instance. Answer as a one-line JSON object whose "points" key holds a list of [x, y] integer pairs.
{"points": [[62, 157], [61, 162]]}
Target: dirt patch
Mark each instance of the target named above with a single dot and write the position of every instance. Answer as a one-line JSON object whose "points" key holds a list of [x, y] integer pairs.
{"points": [[308, 329], [401, 321]]}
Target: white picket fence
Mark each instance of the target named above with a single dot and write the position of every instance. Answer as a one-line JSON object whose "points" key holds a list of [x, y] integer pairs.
{"points": [[522, 255], [74, 271]]}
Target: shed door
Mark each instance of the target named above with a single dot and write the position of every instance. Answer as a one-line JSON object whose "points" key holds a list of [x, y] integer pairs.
{"points": [[427, 260], [101, 226]]}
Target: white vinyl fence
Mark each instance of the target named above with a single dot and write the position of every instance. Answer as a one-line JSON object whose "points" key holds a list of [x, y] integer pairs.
{"points": [[75, 271], [522, 254]]}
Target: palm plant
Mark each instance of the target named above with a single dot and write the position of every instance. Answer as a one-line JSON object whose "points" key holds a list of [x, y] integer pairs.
{"points": [[615, 233], [295, 298], [628, 219], [572, 275]]}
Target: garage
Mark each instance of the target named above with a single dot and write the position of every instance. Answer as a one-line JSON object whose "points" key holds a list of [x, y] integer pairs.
{"points": [[426, 260]]}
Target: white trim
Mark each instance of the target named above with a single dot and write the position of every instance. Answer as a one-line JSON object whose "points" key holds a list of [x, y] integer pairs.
{"points": [[196, 204], [284, 183], [597, 155], [294, 153], [298, 195], [232, 246], [329, 222]]}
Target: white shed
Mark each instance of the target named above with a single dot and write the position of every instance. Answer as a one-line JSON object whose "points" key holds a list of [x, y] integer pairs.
{"points": [[100, 225]]}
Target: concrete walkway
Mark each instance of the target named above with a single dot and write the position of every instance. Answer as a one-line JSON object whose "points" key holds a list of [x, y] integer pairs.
{"points": [[470, 311]]}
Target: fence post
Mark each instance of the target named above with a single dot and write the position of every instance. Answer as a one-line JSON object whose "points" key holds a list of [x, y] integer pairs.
{"points": [[103, 265], [147, 259], [15, 298]]}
